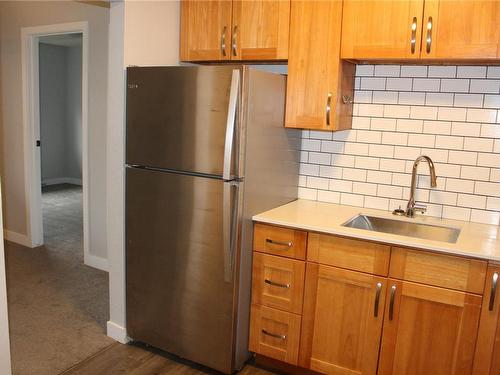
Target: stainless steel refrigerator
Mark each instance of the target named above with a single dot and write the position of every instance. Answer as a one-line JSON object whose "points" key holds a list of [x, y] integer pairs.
{"points": [[205, 150]]}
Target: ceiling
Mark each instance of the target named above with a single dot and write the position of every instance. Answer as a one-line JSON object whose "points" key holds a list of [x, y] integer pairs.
{"points": [[64, 40]]}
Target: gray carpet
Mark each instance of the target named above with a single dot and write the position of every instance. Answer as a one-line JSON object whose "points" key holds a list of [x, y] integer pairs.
{"points": [[58, 307]]}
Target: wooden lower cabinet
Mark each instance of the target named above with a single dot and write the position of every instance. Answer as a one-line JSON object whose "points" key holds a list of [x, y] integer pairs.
{"points": [[342, 320], [275, 333], [487, 360], [428, 330]]}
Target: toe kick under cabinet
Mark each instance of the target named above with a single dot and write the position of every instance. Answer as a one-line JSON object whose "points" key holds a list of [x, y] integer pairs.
{"points": [[337, 305]]}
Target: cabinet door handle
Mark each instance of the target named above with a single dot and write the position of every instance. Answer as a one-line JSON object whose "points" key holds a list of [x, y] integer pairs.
{"points": [[234, 40], [413, 40], [279, 285], [493, 291], [223, 41], [391, 305], [328, 108], [281, 337], [377, 299], [428, 40], [280, 243]]}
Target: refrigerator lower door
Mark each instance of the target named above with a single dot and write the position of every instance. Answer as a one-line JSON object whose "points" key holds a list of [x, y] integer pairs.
{"points": [[180, 292]]}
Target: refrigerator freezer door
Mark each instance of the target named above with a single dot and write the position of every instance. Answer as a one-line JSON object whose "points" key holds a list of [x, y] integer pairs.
{"points": [[179, 298], [178, 117]]}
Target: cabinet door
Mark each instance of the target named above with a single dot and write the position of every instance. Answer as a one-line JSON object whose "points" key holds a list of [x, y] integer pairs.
{"points": [[260, 30], [428, 330], [385, 29], [342, 321], [205, 30], [461, 29], [317, 79], [487, 359]]}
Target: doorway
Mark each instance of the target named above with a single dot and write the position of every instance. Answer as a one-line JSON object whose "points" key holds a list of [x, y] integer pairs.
{"points": [[55, 152]]}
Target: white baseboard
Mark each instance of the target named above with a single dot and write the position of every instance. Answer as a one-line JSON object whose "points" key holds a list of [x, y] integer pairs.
{"points": [[21, 239], [117, 332], [62, 180], [95, 261]]}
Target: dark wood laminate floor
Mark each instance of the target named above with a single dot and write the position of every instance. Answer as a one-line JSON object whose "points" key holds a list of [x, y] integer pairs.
{"points": [[136, 360]]}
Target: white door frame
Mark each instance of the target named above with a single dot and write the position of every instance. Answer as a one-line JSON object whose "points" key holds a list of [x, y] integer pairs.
{"points": [[31, 125]]}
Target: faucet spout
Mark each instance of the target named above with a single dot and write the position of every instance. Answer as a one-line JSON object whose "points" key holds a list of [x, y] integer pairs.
{"points": [[410, 208]]}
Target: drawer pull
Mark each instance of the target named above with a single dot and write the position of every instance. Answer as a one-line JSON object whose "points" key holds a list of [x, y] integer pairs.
{"points": [[281, 337], [267, 281], [413, 40], [428, 39], [328, 108], [493, 291], [377, 299], [223, 41], [280, 243], [391, 305]]}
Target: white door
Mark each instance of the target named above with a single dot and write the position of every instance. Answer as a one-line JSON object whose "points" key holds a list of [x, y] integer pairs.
{"points": [[4, 320]]}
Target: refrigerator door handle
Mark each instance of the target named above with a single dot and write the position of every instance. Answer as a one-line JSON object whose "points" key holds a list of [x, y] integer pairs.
{"points": [[229, 228], [231, 117]]}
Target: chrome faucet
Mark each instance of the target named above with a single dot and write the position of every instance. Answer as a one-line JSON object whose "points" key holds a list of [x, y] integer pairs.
{"points": [[412, 206]]}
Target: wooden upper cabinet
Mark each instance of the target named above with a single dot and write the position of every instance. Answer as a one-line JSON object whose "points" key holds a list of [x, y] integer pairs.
{"points": [[205, 30], [260, 30], [487, 359], [317, 79], [342, 321], [428, 330], [464, 29], [385, 29], [218, 30]]}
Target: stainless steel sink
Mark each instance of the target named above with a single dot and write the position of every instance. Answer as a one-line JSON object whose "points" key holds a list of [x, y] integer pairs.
{"points": [[404, 228]]}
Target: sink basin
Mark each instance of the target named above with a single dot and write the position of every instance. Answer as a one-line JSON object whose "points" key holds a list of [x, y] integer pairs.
{"points": [[404, 228]]}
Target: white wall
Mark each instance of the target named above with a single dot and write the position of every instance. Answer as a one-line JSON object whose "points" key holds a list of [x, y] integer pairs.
{"points": [[5, 366], [61, 113], [140, 33], [13, 16], [450, 113]]}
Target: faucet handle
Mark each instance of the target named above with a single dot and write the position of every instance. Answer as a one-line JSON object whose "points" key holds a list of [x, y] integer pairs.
{"points": [[422, 208]]}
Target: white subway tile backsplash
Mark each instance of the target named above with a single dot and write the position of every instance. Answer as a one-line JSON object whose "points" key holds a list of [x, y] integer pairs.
{"points": [[471, 72], [399, 84], [437, 127], [450, 113], [386, 124], [455, 85], [468, 100], [388, 70], [478, 144], [449, 142], [372, 83], [424, 113], [421, 140], [486, 86], [492, 101], [475, 173], [385, 97], [364, 70], [412, 98], [426, 84], [442, 71], [465, 129], [319, 158], [481, 115], [439, 99], [352, 199], [413, 71]]}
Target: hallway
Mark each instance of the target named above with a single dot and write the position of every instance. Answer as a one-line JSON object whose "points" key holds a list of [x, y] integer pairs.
{"points": [[58, 307]]}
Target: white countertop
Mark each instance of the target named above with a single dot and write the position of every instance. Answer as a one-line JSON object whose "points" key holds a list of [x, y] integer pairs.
{"points": [[475, 240]]}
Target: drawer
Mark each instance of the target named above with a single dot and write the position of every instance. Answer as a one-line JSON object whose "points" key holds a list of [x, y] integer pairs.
{"points": [[285, 242], [278, 282], [362, 256], [275, 334], [447, 271]]}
